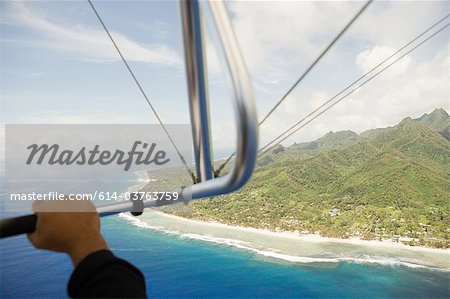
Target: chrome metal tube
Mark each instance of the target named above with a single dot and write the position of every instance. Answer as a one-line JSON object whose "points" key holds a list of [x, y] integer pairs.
{"points": [[197, 81], [244, 103], [245, 110], [246, 118]]}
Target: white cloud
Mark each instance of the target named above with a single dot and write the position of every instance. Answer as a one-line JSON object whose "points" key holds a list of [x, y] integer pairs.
{"points": [[156, 28], [370, 58], [385, 101], [88, 43], [391, 23], [215, 68], [279, 38], [275, 36], [2, 149], [223, 135], [53, 117]]}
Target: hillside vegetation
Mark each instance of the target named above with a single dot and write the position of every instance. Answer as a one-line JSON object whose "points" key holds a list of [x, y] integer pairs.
{"points": [[389, 183]]}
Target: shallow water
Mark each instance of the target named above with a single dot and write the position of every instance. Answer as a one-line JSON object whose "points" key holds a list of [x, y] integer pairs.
{"points": [[288, 248], [179, 266]]}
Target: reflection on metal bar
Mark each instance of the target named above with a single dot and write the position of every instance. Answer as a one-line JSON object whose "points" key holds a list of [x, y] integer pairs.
{"points": [[197, 79], [246, 118]]}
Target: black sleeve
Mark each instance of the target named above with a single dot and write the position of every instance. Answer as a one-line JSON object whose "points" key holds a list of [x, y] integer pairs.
{"points": [[102, 275]]}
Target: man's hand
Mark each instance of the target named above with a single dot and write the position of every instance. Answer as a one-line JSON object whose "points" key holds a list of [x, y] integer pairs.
{"points": [[66, 226]]}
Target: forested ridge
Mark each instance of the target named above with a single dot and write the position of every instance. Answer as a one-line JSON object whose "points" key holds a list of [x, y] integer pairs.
{"points": [[387, 183]]}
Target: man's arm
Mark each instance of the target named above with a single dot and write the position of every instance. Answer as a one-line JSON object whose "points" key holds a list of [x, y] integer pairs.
{"points": [[74, 228]]}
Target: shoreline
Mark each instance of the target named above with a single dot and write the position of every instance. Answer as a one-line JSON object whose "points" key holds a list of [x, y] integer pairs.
{"points": [[311, 237], [293, 247], [142, 179]]}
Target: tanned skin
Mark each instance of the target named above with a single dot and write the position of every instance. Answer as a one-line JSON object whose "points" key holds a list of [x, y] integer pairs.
{"points": [[72, 227]]}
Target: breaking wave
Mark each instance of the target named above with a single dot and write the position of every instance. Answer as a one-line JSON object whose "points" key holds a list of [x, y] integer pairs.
{"points": [[272, 253]]}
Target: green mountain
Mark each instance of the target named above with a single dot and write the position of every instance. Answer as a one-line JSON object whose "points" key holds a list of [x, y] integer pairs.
{"points": [[438, 120], [393, 183], [330, 140]]}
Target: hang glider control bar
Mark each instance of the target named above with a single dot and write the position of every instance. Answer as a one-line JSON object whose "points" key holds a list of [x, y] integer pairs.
{"points": [[244, 104]]}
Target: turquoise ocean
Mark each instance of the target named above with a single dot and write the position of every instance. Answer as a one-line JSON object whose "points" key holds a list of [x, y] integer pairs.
{"points": [[179, 267]]}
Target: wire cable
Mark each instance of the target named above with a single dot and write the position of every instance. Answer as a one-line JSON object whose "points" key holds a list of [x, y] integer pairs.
{"points": [[183, 160], [305, 73], [264, 149]]}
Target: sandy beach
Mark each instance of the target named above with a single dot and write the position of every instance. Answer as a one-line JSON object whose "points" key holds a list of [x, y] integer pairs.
{"points": [[294, 247], [141, 181]]}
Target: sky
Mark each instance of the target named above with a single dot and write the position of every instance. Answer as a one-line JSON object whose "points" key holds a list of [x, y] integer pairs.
{"points": [[57, 65]]}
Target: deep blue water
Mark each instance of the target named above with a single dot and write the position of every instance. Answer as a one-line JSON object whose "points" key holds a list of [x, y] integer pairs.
{"points": [[177, 267], [180, 267]]}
